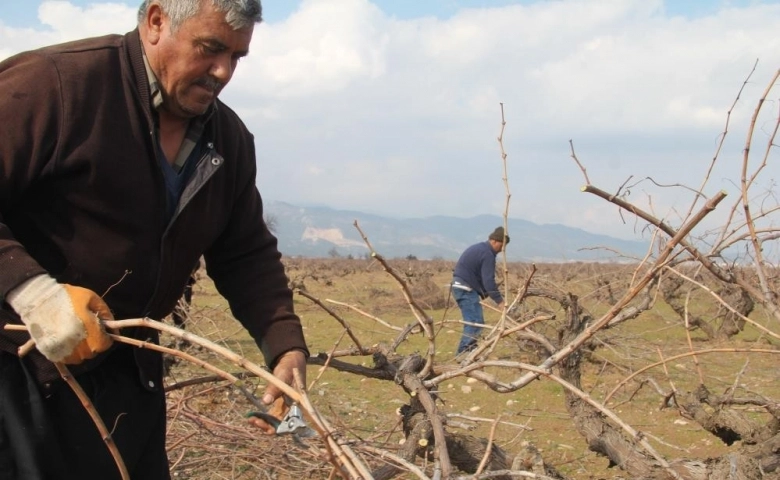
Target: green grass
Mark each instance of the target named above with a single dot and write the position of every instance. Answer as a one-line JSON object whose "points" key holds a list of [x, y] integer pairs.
{"points": [[364, 409]]}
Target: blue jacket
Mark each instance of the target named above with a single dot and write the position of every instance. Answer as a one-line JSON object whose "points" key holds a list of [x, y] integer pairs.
{"points": [[476, 268]]}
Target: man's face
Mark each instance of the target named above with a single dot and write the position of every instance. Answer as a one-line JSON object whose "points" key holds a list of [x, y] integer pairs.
{"points": [[497, 246], [194, 63]]}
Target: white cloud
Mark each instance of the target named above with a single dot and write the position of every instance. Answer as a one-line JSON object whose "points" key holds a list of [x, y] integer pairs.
{"points": [[321, 48], [70, 22], [356, 109], [61, 21]]}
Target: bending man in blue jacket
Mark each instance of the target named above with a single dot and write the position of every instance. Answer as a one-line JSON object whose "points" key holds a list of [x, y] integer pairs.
{"points": [[474, 278]]}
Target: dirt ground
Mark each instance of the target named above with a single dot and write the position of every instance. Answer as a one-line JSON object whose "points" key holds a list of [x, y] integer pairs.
{"points": [[210, 439]]}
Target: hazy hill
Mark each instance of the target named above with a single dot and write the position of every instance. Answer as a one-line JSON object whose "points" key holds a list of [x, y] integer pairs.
{"points": [[324, 232]]}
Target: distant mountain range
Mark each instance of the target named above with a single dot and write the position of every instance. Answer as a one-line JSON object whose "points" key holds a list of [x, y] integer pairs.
{"points": [[324, 232]]}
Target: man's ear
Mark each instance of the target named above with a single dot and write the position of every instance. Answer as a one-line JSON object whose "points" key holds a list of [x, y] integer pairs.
{"points": [[153, 22]]}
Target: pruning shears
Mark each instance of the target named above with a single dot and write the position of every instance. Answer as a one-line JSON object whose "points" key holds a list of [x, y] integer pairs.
{"points": [[291, 423]]}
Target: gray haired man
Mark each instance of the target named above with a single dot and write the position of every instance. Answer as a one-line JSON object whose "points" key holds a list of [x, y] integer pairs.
{"points": [[119, 169]]}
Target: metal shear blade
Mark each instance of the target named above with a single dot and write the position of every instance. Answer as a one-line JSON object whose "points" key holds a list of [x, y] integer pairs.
{"points": [[291, 423]]}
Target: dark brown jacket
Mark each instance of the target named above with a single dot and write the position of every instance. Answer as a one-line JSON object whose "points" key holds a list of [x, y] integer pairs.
{"points": [[82, 197]]}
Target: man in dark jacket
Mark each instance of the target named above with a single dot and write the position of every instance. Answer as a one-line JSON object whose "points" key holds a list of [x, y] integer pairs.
{"points": [[473, 279], [119, 168]]}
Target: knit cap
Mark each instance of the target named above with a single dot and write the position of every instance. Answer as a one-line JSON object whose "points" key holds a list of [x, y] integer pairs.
{"points": [[498, 235]]}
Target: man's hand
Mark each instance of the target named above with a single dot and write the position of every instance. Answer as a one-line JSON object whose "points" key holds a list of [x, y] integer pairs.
{"points": [[63, 320], [289, 361]]}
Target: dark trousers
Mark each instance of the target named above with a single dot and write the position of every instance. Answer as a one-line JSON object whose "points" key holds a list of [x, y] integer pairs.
{"points": [[46, 434]]}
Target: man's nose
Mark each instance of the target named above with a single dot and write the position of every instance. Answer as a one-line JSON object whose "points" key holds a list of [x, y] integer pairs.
{"points": [[222, 70]]}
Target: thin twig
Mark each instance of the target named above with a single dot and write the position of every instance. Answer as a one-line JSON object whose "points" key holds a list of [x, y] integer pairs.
{"points": [[684, 355], [489, 447], [95, 416], [425, 321]]}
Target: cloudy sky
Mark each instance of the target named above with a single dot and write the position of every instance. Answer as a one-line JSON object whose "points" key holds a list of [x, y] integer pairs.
{"points": [[394, 106]]}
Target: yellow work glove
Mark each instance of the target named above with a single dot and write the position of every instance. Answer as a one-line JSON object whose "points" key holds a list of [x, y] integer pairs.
{"points": [[63, 320]]}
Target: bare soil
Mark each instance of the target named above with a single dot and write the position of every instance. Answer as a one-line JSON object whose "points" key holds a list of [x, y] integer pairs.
{"points": [[210, 439]]}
